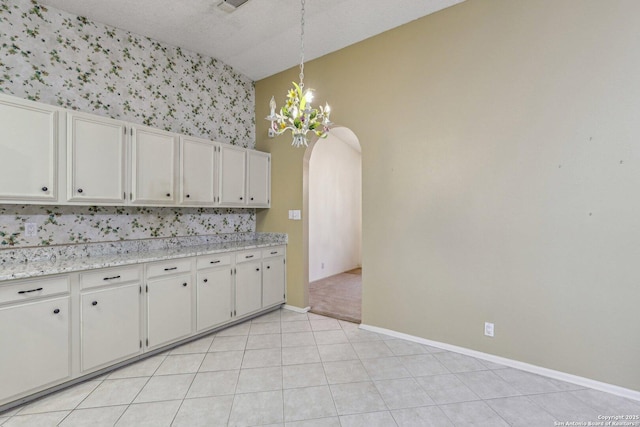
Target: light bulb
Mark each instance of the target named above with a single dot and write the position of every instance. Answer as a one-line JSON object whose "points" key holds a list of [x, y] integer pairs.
{"points": [[308, 96]]}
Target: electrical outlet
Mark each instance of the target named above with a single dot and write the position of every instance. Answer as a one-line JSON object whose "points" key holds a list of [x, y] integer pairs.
{"points": [[30, 229], [488, 329]]}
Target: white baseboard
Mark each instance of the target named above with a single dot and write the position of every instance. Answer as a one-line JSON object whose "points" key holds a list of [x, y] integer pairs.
{"points": [[296, 309], [558, 375]]}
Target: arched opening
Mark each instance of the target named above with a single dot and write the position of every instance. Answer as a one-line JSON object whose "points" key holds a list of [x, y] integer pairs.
{"points": [[332, 228]]}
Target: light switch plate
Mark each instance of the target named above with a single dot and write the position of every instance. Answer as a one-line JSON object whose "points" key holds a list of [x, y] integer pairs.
{"points": [[297, 215]]}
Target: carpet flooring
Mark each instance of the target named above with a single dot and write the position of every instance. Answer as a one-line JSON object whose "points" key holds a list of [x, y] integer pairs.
{"points": [[338, 296]]}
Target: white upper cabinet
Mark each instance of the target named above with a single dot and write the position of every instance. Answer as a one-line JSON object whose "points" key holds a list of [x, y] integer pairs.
{"points": [[96, 153], [29, 150], [154, 155], [258, 178], [198, 171], [232, 175], [55, 156]]}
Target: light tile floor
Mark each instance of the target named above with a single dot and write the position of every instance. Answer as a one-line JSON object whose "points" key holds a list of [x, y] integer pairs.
{"points": [[291, 369]]}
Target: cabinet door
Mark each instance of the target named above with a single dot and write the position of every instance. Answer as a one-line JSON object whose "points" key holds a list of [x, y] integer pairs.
{"points": [[248, 287], [214, 297], [259, 178], [153, 159], [169, 309], [273, 281], [110, 325], [197, 171], [35, 346], [29, 151], [96, 159], [232, 175]]}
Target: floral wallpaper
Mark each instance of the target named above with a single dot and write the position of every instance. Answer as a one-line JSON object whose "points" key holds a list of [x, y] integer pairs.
{"points": [[53, 57], [56, 58], [86, 224]]}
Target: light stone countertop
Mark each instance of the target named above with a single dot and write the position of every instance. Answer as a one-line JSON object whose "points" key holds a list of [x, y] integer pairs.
{"points": [[58, 264]]}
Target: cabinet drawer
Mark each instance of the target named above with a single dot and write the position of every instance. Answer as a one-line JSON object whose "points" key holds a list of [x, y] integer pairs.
{"points": [[248, 256], [92, 279], [166, 268], [33, 289], [207, 261], [271, 252]]}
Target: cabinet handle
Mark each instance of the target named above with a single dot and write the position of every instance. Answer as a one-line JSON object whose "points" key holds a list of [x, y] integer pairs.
{"points": [[184, 284], [111, 278], [168, 194], [215, 262], [248, 256], [45, 189], [56, 311], [172, 268], [274, 252], [94, 303], [79, 190], [205, 280], [30, 290]]}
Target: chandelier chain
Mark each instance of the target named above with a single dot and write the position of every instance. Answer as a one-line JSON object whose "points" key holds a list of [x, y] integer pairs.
{"points": [[302, 45]]}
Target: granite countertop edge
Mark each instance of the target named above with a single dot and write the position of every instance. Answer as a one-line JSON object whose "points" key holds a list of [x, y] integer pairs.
{"points": [[71, 265]]}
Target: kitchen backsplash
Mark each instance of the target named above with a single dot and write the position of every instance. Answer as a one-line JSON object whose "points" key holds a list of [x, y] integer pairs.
{"points": [[53, 57], [59, 225]]}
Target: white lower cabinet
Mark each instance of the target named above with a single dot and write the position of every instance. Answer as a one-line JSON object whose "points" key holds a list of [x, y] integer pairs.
{"points": [[273, 274], [63, 327], [248, 283], [214, 297], [110, 325], [35, 339], [169, 309]]}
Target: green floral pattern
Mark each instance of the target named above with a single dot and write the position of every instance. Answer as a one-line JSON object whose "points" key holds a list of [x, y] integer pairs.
{"points": [[59, 225], [53, 57]]}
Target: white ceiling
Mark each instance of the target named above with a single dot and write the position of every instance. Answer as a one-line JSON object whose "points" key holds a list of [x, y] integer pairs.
{"points": [[261, 37]]}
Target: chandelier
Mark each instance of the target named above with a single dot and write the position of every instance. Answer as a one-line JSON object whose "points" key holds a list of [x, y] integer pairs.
{"points": [[297, 114]]}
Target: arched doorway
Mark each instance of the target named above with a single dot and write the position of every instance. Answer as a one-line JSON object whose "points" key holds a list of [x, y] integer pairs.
{"points": [[333, 225]]}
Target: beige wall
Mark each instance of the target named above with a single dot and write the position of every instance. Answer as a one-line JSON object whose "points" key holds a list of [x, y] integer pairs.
{"points": [[501, 168]]}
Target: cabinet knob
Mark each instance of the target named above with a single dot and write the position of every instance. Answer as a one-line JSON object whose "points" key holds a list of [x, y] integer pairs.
{"points": [[184, 284], [252, 198], [268, 267], [79, 190], [240, 198], [205, 280], [257, 269], [188, 196], [56, 311], [94, 303], [168, 194], [45, 189]]}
